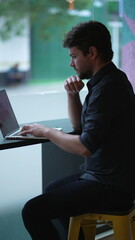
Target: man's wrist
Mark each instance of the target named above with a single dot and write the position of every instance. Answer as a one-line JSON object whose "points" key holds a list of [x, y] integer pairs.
{"points": [[73, 93]]}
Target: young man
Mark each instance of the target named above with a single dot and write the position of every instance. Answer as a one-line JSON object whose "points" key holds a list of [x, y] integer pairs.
{"points": [[105, 134]]}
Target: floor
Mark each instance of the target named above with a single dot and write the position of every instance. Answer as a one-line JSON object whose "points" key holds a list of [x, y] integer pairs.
{"points": [[108, 235], [108, 238], [36, 88]]}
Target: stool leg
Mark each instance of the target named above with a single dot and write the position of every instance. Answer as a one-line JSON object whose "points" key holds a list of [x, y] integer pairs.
{"points": [[74, 228], [133, 227], [89, 230], [121, 227]]}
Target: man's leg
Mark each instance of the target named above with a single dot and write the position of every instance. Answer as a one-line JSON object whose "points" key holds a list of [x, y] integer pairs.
{"points": [[63, 223], [73, 198]]}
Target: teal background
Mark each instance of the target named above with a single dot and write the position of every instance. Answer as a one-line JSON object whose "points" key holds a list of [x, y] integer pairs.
{"points": [[49, 60]]}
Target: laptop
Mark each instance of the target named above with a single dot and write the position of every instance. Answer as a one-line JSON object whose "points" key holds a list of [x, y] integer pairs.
{"points": [[8, 123]]}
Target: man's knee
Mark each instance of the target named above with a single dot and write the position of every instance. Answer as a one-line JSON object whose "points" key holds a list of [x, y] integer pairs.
{"points": [[28, 211]]}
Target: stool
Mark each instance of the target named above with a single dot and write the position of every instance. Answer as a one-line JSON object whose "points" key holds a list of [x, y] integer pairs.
{"points": [[123, 224]]}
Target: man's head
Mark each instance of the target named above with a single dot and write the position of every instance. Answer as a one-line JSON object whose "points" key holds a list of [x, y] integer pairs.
{"points": [[88, 34]]}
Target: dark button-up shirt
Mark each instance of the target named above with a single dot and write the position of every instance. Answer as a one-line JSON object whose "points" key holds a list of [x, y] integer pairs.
{"points": [[108, 129]]}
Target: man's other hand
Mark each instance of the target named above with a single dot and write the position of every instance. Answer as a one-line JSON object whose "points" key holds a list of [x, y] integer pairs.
{"points": [[73, 84]]}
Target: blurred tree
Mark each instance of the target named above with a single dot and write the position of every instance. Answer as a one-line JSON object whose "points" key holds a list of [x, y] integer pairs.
{"points": [[14, 14]]}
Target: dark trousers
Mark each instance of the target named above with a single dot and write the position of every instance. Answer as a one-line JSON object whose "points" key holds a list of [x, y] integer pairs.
{"points": [[69, 197]]}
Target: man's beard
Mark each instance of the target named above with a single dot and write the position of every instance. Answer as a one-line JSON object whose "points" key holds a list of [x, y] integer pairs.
{"points": [[85, 75]]}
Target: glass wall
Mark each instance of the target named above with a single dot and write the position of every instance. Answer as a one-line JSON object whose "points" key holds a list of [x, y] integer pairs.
{"points": [[42, 58], [50, 62]]}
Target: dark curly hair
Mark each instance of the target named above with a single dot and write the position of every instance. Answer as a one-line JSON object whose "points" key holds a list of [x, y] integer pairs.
{"points": [[91, 33]]}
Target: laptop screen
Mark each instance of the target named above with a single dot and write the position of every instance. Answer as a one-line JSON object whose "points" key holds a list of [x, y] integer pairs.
{"points": [[8, 121]]}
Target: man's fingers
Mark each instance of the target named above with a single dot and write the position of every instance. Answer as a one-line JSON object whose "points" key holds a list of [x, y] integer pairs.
{"points": [[74, 84], [25, 127]]}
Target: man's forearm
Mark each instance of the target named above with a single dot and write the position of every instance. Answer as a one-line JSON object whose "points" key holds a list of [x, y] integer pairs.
{"points": [[74, 110], [68, 142]]}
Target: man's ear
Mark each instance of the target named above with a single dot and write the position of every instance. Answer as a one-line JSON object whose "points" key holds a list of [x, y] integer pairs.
{"points": [[93, 52]]}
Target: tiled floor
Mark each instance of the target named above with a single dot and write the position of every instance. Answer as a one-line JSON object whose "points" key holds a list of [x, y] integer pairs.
{"points": [[105, 236], [108, 238]]}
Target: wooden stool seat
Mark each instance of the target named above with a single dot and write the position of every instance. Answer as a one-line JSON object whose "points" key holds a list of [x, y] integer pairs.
{"points": [[123, 224]]}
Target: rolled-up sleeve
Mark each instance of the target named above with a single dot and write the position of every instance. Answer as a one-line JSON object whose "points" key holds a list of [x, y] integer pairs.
{"points": [[99, 110], [94, 132]]}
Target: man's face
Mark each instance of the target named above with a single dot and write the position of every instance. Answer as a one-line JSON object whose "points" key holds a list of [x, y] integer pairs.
{"points": [[81, 63]]}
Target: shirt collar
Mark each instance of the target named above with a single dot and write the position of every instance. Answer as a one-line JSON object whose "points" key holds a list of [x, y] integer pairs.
{"points": [[98, 75]]}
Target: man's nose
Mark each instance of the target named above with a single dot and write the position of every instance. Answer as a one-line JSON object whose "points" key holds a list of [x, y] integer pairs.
{"points": [[72, 64]]}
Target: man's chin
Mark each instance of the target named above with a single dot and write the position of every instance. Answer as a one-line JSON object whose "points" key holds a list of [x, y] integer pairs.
{"points": [[80, 75], [84, 75]]}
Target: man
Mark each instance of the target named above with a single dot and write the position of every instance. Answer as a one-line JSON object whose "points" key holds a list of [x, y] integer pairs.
{"points": [[104, 136], [14, 75]]}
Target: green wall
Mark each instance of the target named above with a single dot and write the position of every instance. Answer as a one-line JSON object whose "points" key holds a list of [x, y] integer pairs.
{"points": [[49, 60]]}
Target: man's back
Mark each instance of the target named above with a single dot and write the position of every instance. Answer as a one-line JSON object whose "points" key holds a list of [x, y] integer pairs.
{"points": [[109, 114]]}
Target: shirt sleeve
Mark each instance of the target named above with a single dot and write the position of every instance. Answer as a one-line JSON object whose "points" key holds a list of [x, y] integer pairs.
{"points": [[94, 132], [100, 114]]}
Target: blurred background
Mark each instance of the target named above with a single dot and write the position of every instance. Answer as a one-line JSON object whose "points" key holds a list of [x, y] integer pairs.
{"points": [[33, 67], [31, 34]]}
